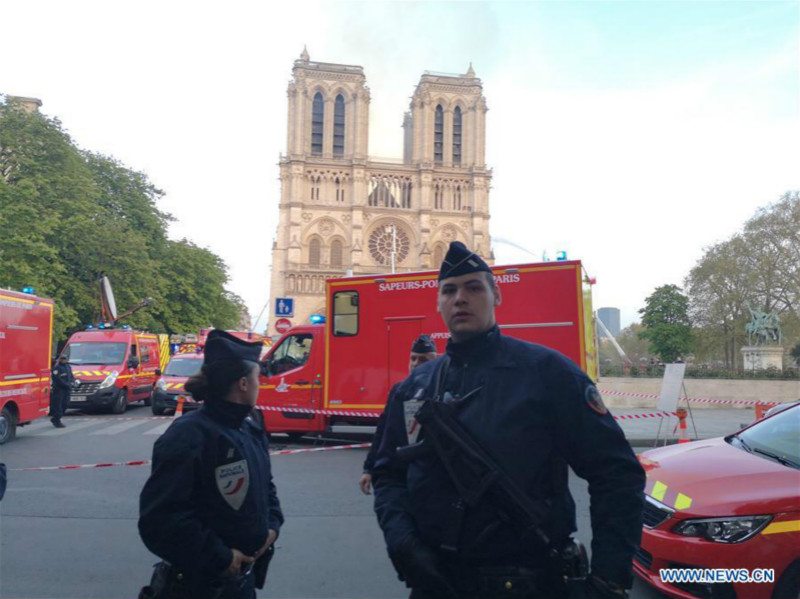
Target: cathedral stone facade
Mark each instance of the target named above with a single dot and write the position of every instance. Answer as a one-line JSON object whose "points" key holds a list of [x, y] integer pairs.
{"points": [[342, 212]]}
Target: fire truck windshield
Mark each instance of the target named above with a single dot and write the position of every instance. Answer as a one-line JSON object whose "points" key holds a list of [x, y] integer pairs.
{"points": [[95, 353], [183, 367]]}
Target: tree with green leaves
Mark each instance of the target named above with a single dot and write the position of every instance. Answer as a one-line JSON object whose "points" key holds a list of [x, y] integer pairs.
{"points": [[666, 323], [69, 216], [759, 265]]}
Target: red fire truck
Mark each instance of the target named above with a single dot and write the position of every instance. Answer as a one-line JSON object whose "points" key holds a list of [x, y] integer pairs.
{"points": [[26, 337], [333, 376], [250, 336], [113, 367]]}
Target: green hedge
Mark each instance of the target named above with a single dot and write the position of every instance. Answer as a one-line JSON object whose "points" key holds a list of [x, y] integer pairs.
{"points": [[692, 372]]}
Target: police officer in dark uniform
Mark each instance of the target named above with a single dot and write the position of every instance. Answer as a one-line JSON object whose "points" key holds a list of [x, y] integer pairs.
{"points": [[60, 390], [423, 350], [534, 412], [210, 508]]}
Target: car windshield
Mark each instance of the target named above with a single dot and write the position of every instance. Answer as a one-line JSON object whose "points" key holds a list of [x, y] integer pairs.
{"points": [[183, 367], [95, 352], [777, 438]]}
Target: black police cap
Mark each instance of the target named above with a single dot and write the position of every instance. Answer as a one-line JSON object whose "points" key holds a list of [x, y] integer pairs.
{"points": [[222, 346], [460, 261], [423, 345]]}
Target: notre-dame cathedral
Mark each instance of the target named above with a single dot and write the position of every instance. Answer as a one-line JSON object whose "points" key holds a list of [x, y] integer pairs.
{"points": [[342, 212]]}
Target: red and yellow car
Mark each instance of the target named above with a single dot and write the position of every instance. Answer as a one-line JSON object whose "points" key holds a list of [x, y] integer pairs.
{"points": [[731, 502]]}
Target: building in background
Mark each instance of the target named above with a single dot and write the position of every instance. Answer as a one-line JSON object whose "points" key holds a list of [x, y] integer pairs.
{"points": [[610, 318], [341, 211], [27, 104]]}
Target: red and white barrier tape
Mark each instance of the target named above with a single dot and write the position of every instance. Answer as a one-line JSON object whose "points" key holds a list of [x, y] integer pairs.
{"points": [[313, 449], [293, 451], [103, 465], [351, 413], [373, 415], [71, 418], [747, 402], [148, 462], [647, 415]]}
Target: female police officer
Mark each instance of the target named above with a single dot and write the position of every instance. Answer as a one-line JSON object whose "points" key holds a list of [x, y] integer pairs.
{"points": [[210, 508]]}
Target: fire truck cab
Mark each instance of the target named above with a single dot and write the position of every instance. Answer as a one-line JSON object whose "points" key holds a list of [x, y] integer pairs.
{"points": [[26, 333], [112, 367], [335, 376]]}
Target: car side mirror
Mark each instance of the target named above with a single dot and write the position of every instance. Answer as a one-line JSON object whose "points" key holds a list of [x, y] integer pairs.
{"points": [[158, 372], [133, 362]]}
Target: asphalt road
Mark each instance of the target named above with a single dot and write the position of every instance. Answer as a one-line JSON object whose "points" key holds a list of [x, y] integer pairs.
{"points": [[72, 533]]}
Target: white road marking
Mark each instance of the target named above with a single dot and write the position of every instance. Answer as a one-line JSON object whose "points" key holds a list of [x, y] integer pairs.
{"points": [[159, 429], [118, 428], [69, 428]]}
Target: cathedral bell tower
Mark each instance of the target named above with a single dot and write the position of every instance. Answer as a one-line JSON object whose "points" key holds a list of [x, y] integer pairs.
{"points": [[341, 211]]}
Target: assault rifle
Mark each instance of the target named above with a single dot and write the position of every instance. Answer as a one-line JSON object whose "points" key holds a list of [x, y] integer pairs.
{"points": [[476, 475]]}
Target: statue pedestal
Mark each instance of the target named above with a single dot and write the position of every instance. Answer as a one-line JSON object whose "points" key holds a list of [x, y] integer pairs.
{"points": [[763, 357]]}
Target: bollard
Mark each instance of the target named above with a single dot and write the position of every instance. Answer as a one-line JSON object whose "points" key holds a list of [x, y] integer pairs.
{"points": [[179, 409], [683, 433], [762, 407]]}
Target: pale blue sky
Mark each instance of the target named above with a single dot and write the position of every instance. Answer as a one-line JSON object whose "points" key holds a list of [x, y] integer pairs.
{"points": [[631, 134]]}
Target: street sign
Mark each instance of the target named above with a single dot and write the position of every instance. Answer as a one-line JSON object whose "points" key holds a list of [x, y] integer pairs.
{"points": [[284, 306], [282, 325], [671, 387]]}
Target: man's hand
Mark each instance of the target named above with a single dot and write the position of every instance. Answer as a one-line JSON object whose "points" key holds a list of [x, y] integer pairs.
{"points": [[419, 566], [365, 483], [270, 540], [239, 559]]}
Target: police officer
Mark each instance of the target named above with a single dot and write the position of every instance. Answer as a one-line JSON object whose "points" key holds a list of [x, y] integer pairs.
{"points": [[534, 412], [210, 508], [422, 350], [60, 390]]}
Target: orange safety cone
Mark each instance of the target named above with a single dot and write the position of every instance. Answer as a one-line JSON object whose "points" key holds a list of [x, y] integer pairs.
{"points": [[179, 409], [762, 407], [683, 433]]}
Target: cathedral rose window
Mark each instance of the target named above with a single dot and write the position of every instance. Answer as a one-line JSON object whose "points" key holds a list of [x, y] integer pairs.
{"points": [[381, 241]]}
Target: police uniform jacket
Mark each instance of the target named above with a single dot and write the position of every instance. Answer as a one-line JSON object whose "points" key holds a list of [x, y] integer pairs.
{"points": [[534, 412], [62, 378], [369, 461], [210, 490]]}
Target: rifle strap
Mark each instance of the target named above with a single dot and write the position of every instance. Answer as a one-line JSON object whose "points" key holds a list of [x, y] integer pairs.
{"points": [[440, 380]]}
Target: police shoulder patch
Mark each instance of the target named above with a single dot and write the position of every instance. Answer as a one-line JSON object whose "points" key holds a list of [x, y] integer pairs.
{"points": [[594, 400]]}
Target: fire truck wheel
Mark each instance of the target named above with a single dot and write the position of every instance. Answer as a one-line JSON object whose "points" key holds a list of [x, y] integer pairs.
{"points": [[121, 404], [8, 426]]}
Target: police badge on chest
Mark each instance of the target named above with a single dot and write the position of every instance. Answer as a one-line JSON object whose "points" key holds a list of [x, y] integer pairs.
{"points": [[410, 409], [232, 476]]}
